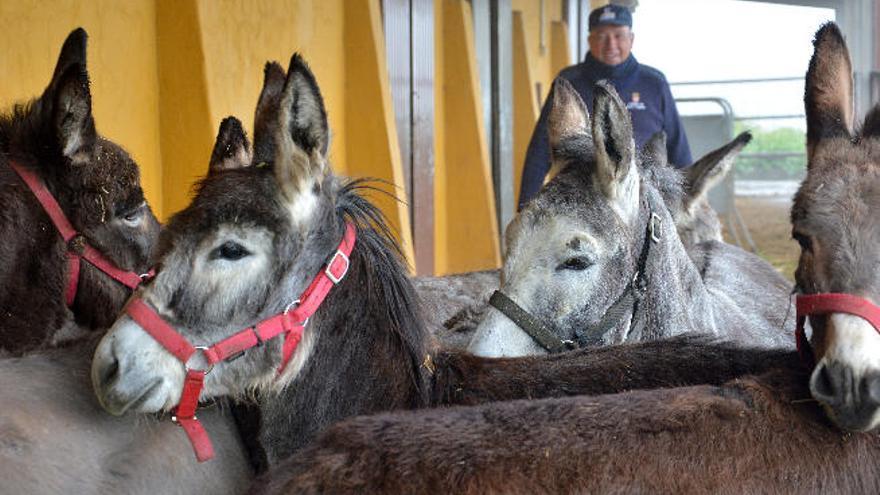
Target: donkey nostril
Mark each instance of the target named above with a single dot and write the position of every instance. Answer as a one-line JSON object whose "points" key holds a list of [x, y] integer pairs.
{"points": [[108, 373], [824, 384]]}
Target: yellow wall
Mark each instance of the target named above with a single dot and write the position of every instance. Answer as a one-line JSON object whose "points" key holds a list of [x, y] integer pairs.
{"points": [[211, 57], [122, 65]]}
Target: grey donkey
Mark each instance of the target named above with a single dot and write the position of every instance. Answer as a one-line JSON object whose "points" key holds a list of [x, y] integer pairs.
{"points": [[595, 261], [455, 304]]}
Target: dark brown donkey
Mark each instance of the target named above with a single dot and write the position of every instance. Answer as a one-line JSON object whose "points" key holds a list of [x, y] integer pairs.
{"points": [[256, 234], [97, 186], [760, 434]]}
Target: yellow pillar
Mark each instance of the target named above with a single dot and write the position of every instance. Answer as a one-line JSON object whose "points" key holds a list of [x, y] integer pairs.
{"points": [[466, 201], [441, 194], [525, 99], [187, 131], [372, 146], [559, 56]]}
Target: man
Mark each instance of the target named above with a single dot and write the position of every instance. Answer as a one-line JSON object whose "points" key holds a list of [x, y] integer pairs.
{"points": [[644, 88]]}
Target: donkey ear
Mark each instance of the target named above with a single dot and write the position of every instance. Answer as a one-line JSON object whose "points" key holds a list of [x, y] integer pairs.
{"points": [[613, 138], [303, 106], [709, 170], [67, 102], [231, 150], [71, 113], [73, 52], [266, 114], [301, 137], [828, 98], [871, 127], [568, 125], [654, 150]]}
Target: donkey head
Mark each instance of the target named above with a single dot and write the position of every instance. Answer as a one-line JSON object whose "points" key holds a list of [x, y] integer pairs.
{"points": [[249, 242], [834, 219], [695, 219], [572, 250], [96, 182], [96, 177]]}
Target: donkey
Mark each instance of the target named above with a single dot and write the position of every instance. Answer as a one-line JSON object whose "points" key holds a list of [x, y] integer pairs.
{"points": [[754, 434], [454, 305], [594, 260], [835, 222], [52, 140], [227, 264]]}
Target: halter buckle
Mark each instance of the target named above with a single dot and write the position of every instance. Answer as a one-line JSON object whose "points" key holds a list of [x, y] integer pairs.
{"points": [[328, 271], [204, 353], [655, 227]]}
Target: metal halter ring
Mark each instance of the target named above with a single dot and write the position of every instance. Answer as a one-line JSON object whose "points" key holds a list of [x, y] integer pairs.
{"points": [[292, 304], [175, 421], [204, 350], [655, 226]]}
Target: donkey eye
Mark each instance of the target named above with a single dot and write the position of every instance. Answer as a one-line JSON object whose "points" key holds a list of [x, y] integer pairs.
{"points": [[229, 250], [133, 217], [804, 240], [577, 263]]}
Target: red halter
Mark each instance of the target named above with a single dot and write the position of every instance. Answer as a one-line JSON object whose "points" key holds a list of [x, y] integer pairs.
{"points": [[77, 247], [289, 323], [832, 302]]}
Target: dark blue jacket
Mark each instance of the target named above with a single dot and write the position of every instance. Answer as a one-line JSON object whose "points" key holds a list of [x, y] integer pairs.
{"points": [[647, 96]]}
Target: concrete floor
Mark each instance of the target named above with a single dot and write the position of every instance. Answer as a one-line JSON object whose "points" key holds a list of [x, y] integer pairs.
{"points": [[765, 212]]}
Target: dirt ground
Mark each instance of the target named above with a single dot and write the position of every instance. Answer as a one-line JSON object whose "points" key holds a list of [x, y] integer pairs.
{"points": [[768, 223]]}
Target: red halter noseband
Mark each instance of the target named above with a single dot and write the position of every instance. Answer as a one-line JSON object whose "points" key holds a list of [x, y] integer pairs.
{"points": [[831, 302], [77, 247], [289, 323]]}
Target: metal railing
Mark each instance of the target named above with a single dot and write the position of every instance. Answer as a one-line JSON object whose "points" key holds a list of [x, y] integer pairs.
{"points": [[774, 156]]}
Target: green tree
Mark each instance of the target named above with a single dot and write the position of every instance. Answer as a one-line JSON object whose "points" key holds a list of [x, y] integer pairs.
{"points": [[778, 140]]}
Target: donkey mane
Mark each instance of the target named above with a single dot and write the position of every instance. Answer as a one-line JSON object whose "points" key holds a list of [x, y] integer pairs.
{"points": [[668, 181], [386, 274], [20, 125], [23, 130]]}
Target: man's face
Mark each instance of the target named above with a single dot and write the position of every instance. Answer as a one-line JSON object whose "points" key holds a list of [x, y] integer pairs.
{"points": [[611, 44]]}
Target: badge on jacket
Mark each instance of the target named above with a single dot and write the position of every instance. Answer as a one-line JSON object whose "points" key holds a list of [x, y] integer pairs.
{"points": [[635, 103]]}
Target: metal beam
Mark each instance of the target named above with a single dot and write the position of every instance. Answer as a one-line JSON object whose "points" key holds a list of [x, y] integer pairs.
{"points": [[422, 126], [502, 104]]}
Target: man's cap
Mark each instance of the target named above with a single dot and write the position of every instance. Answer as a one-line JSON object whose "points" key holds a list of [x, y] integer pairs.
{"points": [[615, 15]]}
